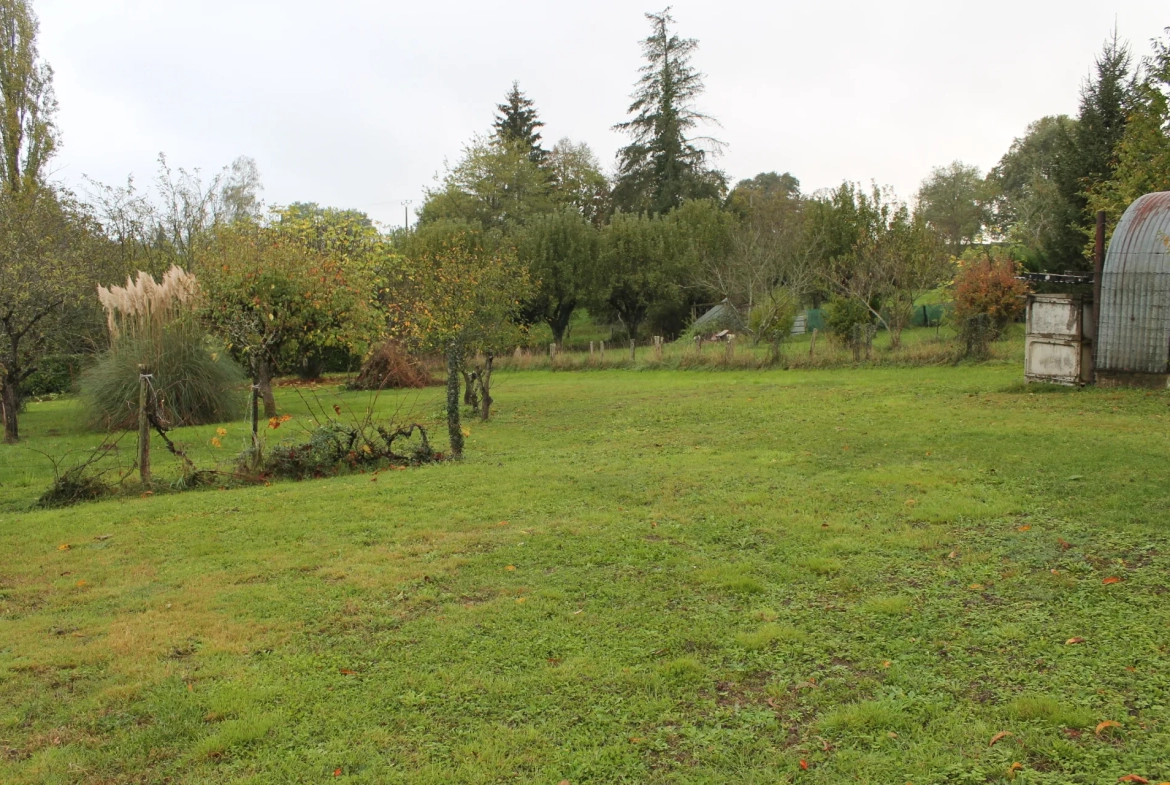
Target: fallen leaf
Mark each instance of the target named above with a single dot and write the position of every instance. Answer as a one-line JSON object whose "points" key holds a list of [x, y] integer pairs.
{"points": [[521, 599], [1111, 580], [636, 740], [337, 772], [886, 664], [511, 568], [348, 672], [63, 546], [1134, 778], [502, 523], [911, 502], [80, 584], [953, 555], [1064, 546], [337, 409], [1106, 725], [997, 738], [1073, 641], [977, 587], [1024, 529], [804, 764], [1055, 572], [892, 735], [190, 688], [1015, 767]]}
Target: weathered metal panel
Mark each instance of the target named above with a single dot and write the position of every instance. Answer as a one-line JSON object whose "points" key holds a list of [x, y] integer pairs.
{"points": [[1053, 361], [1055, 315], [1055, 350], [1134, 335]]}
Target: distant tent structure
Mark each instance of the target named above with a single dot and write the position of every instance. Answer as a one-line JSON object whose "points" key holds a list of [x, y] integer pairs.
{"points": [[723, 316], [1133, 341]]}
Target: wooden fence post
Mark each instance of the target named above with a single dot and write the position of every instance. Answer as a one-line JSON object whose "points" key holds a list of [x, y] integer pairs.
{"points": [[143, 425], [591, 351], [603, 351], [552, 351], [632, 356], [698, 344], [730, 347]]}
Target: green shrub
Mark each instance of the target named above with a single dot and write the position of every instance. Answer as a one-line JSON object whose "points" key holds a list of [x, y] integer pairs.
{"points": [[842, 315], [55, 374], [195, 383]]}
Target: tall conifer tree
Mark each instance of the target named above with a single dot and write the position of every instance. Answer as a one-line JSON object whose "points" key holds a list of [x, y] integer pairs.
{"points": [[518, 122], [664, 165]]}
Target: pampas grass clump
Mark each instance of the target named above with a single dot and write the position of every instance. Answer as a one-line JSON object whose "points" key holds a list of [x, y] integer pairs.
{"points": [[153, 325]]}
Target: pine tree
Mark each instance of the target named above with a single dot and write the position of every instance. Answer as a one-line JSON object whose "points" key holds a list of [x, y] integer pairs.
{"points": [[1089, 157], [518, 122], [663, 165]]}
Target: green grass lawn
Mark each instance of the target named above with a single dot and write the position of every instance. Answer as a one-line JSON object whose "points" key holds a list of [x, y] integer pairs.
{"points": [[635, 577]]}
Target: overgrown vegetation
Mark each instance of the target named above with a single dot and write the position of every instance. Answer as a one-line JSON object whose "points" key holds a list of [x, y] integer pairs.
{"points": [[153, 331]]}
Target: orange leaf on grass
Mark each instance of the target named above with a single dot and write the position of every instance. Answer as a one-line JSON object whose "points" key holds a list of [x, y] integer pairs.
{"points": [[1024, 529], [1111, 580], [804, 765], [997, 738], [1106, 725], [1134, 778], [1073, 641], [1015, 767], [337, 772], [348, 672]]}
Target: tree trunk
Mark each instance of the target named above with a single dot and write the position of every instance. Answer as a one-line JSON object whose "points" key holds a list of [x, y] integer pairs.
{"points": [[558, 322], [263, 380], [468, 388], [485, 387], [454, 427], [10, 403]]}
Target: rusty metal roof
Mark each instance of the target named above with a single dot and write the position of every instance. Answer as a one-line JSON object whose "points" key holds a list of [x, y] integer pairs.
{"points": [[1134, 334]]}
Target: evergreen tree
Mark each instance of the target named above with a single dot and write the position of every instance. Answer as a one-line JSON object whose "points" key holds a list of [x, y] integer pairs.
{"points": [[518, 122], [663, 165], [1142, 156], [1089, 154], [1105, 105]]}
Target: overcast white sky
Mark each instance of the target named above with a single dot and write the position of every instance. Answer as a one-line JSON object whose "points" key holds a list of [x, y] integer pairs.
{"points": [[356, 103]]}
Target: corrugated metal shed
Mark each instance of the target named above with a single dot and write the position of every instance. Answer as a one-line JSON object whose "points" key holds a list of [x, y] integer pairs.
{"points": [[1134, 335]]}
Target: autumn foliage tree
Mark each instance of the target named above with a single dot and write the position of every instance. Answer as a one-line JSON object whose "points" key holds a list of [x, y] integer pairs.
{"points": [[270, 295], [461, 299], [988, 296]]}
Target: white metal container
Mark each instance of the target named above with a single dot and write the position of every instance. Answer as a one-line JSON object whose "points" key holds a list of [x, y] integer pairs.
{"points": [[1058, 349]]}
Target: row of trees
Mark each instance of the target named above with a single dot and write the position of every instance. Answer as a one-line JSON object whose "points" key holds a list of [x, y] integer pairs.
{"points": [[513, 235], [664, 235], [1043, 195]]}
